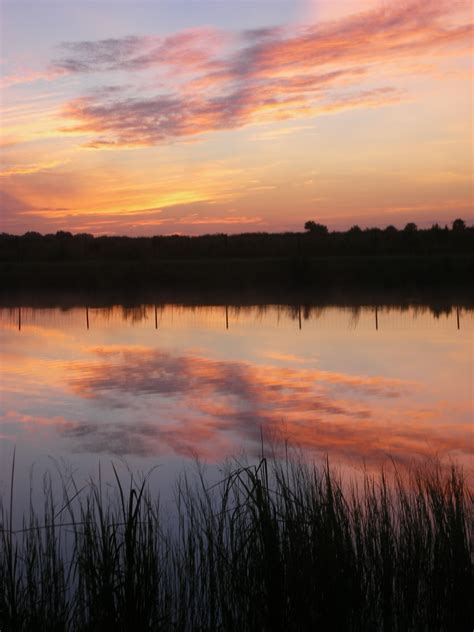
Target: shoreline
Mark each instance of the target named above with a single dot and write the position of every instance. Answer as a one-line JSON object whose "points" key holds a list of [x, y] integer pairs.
{"points": [[328, 273]]}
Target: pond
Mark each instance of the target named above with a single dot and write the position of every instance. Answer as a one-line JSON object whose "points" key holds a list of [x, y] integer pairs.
{"points": [[166, 384]]}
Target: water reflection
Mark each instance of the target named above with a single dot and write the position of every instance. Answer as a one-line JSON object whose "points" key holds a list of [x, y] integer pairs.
{"points": [[406, 316], [153, 380]]}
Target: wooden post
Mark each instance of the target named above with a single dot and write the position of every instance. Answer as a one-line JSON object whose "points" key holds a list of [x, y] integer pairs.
{"points": [[19, 319], [87, 317], [226, 317], [156, 318], [299, 315], [376, 318], [457, 316]]}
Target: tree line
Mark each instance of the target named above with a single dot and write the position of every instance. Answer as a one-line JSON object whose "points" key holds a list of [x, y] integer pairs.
{"points": [[315, 241]]}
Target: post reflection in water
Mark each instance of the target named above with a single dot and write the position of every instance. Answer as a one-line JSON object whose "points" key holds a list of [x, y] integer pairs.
{"points": [[342, 385]]}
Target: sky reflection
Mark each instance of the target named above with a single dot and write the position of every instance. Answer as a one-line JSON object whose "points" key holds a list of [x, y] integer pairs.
{"points": [[145, 385]]}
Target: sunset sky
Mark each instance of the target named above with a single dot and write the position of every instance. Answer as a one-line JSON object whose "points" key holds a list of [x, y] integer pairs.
{"points": [[191, 116]]}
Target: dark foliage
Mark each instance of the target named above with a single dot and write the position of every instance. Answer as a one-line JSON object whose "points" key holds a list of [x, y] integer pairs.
{"points": [[372, 256], [316, 229], [317, 241]]}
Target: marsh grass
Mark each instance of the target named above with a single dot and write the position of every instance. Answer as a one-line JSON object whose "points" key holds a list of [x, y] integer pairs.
{"points": [[276, 546]]}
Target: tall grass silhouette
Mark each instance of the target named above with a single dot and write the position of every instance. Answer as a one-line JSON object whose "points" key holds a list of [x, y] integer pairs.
{"points": [[275, 546]]}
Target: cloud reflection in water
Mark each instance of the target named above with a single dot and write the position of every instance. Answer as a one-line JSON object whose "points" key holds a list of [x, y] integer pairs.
{"points": [[191, 404]]}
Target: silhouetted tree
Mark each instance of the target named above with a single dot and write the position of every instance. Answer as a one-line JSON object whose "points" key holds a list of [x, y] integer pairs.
{"points": [[355, 229], [459, 224], [62, 234], [411, 227], [316, 229]]}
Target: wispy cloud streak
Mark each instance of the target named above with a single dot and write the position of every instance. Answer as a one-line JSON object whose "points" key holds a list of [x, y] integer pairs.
{"points": [[266, 74], [188, 49]]}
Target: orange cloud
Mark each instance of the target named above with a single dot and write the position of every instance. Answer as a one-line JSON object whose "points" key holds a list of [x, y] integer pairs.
{"points": [[31, 168]]}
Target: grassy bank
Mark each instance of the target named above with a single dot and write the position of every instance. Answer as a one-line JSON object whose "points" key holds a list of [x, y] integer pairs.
{"points": [[281, 547], [400, 271]]}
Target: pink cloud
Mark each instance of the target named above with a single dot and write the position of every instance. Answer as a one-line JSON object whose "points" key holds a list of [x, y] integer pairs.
{"points": [[30, 76], [142, 122], [273, 74], [189, 49], [37, 421]]}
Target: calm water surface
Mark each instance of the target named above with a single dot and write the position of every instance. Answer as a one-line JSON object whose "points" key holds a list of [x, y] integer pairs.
{"points": [[162, 386]]}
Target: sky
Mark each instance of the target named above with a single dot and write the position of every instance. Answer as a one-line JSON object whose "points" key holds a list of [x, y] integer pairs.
{"points": [[196, 116]]}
